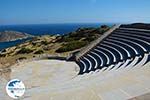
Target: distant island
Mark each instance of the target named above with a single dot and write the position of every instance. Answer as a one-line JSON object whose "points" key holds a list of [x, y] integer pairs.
{"points": [[7, 36]]}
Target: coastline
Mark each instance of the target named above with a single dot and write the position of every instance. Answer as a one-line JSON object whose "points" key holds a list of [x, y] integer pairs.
{"points": [[16, 39], [48, 45]]}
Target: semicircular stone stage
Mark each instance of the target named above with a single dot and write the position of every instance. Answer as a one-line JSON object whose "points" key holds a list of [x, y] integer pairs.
{"points": [[123, 48]]}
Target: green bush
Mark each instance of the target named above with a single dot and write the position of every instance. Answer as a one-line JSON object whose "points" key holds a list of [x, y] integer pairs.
{"points": [[22, 58], [89, 39], [24, 50], [104, 26], [44, 42], [33, 43], [2, 55], [71, 46], [39, 52]]}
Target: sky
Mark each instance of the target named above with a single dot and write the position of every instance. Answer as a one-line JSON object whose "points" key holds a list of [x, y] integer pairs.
{"points": [[73, 11]]}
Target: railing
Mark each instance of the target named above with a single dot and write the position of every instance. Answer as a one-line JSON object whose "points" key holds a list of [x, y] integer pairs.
{"points": [[94, 43]]}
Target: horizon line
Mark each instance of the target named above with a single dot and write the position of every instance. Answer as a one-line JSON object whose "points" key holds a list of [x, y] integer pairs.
{"points": [[65, 23]]}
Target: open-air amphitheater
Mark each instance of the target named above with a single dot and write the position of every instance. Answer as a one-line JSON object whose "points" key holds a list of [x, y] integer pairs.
{"points": [[114, 67]]}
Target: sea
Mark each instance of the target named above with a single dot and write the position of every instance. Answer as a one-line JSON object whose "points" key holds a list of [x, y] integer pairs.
{"points": [[44, 29]]}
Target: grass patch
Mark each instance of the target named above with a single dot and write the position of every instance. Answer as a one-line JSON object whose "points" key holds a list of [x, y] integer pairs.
{"points": [[39, 52], [24, 51], [71, 46]]}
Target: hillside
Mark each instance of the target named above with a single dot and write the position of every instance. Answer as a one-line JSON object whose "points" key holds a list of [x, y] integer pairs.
{"points": [[80, 38], [51, 45], [12, 35]]}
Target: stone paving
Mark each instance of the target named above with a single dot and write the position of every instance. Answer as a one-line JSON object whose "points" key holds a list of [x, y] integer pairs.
{"points": [[58, 80]]}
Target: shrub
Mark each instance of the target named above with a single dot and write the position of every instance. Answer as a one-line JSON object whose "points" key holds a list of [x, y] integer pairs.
{"points": [[3, 50], [71, 46], [44, 42], [22, 58], [33, 43], [91, 38], [39, 52], [2, 55], [24, 50], [104, 26]]}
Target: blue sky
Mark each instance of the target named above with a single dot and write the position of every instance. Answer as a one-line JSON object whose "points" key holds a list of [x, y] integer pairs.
{"points": [[74, 11]]}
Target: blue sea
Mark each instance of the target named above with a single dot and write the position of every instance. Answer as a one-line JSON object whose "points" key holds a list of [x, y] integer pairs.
{"points": [[43, 29]]}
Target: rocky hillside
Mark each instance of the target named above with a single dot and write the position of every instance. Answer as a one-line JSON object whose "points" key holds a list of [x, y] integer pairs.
{"points": [[80, 38], [57, 45], [12, 35]]}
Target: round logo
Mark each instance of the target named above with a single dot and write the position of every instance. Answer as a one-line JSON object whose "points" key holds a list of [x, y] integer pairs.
{"points": [[15, 88]]}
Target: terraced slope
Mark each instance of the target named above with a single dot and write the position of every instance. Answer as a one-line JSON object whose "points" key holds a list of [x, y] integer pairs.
{"points": [[123, 48]]}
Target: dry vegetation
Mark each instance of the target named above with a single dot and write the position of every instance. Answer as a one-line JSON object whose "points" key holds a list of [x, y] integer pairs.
{"points": [[52, 45]]}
